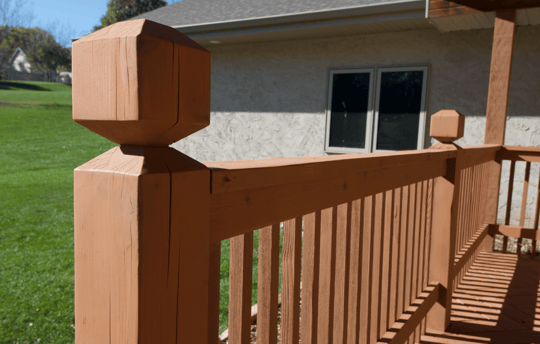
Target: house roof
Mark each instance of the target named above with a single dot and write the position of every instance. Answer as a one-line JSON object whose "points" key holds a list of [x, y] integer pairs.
{"points": [[200, 15], [15, 54]]}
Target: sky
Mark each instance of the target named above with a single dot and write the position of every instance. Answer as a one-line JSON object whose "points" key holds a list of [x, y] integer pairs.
{"points": [[76, 17]]}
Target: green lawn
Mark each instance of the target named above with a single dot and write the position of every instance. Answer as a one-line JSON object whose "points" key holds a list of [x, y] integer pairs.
{"points": [[40, 145]]}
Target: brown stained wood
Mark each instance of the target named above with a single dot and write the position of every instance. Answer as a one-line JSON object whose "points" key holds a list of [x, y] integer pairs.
{"points": [[341, 298], [483, 5], [213, 293], [509, 202], [231, 176], [386, 254], [412, 318], [443, 240], [416, 238], [130, 249], [367, 249], [289, 200], [422, 229], [267, 284], [477, 155], [454, 11], [403, 211], [290, 289], [355, 271], [310, 277], [447, 126], [110, 98], [467, 254], [395, 255], [327, 275], [429, 229], [499, 79], [410, 245], [240, 280], [514, 232], [376, 260], [536, 216], [492, 198], [518, 153], [524, 203]]}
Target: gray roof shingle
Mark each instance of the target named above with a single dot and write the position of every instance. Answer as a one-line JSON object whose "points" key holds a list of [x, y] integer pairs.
{"points": [[197, 12]]}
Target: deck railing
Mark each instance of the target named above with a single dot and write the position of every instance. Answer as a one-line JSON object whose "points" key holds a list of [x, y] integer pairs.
{"points": [[377, 240]]}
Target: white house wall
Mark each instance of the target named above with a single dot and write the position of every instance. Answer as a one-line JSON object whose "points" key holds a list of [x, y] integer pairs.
{"points": [[269, 99]]}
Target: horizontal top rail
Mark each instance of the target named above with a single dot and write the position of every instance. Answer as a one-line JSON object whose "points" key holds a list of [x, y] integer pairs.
{"points": [[518, 153], [230, 176]]}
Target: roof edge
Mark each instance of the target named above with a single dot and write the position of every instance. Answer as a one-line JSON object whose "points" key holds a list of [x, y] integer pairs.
{"points": [[396, 6]]}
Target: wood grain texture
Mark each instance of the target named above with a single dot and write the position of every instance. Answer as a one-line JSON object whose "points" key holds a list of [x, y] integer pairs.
{"points": [[327, 275], [355, 271], [341, 298], [310, 277], [518, 153], [499, 78], [268, 285], [240, 280], [290, 290], [386, 267], [443, 241], [367, 249], [141, 83], [228, 176], [457, 7], [133, 254], [376, 260], [401, 303], [289, 200]]}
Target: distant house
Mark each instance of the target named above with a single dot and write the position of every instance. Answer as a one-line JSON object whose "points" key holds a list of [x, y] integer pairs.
{"points": [[21, 69]]}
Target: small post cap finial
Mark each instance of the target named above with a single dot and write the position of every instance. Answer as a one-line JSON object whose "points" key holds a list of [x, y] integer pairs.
{"points": [[447, 126], [138, 82]]}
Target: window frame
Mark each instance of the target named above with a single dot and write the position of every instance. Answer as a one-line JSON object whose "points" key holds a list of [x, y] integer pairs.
{"points": [[369, 115], [373, 104]]}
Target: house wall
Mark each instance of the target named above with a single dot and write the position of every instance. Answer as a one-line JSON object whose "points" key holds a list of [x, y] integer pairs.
{"points": [[269, 99]]}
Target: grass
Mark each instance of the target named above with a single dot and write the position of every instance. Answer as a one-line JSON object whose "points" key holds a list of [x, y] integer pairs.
{"points": [[40, 146]]}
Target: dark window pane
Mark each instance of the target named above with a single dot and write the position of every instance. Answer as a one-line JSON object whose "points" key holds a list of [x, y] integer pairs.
{"points": [[399, 110], [350, 93]]}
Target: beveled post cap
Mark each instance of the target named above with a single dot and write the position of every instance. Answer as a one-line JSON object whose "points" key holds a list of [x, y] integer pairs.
{"points": [[447, 126], [141, 83]]}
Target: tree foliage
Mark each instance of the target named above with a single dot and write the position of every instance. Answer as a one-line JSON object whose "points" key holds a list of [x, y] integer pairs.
{"points": [[41, 49], [120, 10]]}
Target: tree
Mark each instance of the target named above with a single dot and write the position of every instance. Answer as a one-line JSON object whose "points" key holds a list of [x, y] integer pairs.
{"points": [[41, 49], [120, 10], [15, 13]]}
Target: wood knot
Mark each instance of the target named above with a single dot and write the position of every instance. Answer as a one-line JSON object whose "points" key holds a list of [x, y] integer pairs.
{"points": [[226, 179]]}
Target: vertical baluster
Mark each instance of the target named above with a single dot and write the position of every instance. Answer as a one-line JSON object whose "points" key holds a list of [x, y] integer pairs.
{"points": [[343, 238], [366, 286], [395, 253], [509, 203], [376, 258], [386, 254], [310, 277], [290, 290], [411, 247], [240, 282], [355, 268], [422, 253], [268, 284], [327, 275], [213, 293], [404, 210], [536, 215], [524, 203]]}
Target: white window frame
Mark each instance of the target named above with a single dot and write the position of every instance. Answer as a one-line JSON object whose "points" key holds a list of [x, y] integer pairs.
{"points": [[422, 118], [372, 117], [369, 116]]}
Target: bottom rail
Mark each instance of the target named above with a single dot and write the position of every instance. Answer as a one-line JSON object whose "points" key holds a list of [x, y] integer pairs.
{"points": [[412, 317]]}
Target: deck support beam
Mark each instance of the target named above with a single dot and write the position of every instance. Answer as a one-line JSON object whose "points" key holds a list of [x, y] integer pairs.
{"points": [[497, 106]]}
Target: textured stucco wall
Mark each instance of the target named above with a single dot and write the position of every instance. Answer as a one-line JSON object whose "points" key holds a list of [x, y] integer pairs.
{"points": [[269, 99]]}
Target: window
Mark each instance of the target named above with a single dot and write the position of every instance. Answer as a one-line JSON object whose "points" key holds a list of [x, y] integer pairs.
{"points": [[376, 109]]}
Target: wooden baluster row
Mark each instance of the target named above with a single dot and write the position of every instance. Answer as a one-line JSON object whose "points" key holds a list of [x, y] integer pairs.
{"points": [[290, 299], [310, 278]]}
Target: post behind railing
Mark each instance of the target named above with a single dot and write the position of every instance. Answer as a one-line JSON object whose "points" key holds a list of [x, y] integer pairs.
{"points": [[446, 127], [141, 209]]}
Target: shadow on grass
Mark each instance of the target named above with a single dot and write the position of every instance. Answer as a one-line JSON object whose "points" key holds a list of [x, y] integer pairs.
{"points": [[11, 85]]}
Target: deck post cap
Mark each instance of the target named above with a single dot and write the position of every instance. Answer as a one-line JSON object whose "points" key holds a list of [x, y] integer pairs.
{"points": [[447, 126], [138, 82]]}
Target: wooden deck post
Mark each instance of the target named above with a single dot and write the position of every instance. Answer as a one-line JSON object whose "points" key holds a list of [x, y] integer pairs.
{"points": [[446, 126], [141, 209], [497, 106]]}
